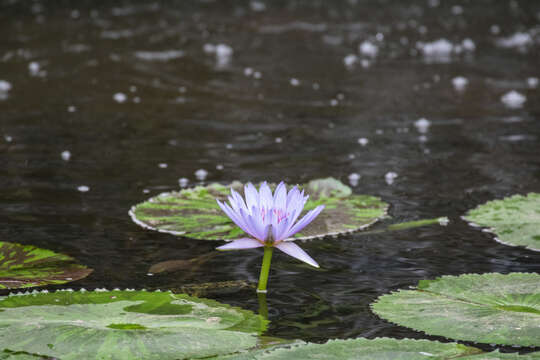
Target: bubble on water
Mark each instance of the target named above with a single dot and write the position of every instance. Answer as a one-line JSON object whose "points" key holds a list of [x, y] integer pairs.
{"points": [[146, 191], [65, 155], [201, 174], [365, 63], [248, 71], [5, 86], [219, 167], [457, 10], [379, 131], [33, 68], [460, 83], [83, 188], [350, 60], [513, 99], [316, 86], [71, 109], [163, 165], [468, 45], [354, 178], [532, 82], [229, 146], [422, 125], [422, 138], [183, 182], [256, 5], [390, 177], [120, 97], [495, 29], [363, 141], [334, 102], [439, 49], [209, 48], [136, 99], [340, 96], [8, 138], [278, 140], [517, 40], [257, 75], [367, 48], [294, 82]]}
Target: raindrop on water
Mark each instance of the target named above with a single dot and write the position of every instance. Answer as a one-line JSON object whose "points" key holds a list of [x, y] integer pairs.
{"points": [[65, 155], [422, 125], [201, 174], [294, 82], [183, 182], [390, 177], [354, 178], [363, 141], [163, 165], [460, 83], [83, 188], [120, 97], [532, 82], [513, 99]]}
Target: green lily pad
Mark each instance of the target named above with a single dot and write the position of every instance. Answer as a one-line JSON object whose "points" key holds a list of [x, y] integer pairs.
{"points": [[24, 266], [124, 325], [514, 220], [487, 308], [496, 355], [360, 348], [194, 212]]}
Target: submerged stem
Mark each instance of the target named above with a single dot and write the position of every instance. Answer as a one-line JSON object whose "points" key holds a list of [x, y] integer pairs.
{"points": [[265, 269]]}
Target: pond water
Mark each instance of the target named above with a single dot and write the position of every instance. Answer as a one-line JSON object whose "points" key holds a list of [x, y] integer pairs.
{"points": [[106, 105]]}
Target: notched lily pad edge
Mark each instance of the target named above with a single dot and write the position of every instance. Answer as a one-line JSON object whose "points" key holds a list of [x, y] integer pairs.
{"points": [[417, 288], [493, 232], [144, 225]]}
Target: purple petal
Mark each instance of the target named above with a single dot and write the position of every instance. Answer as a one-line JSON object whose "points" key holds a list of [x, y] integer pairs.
{"points": [[309, 217], [240, 244], [280, 197], [234, 216], [257, 227], [238, 201], [296, 251], [281, 230], [265, 196], [252, 196]]}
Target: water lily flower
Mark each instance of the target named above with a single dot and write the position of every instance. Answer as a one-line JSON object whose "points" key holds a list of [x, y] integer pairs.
{"points": [[270, 220]]}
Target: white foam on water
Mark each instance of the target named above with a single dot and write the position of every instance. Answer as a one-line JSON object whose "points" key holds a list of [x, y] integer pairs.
{"points": [[294, 82], [120, 97], [513, 99], [460, 83], [367, 48], [422, 125], [363, 141], [517, 40], [183, 182], [65, 155], [201, 174], [390, 177], [532, 82]]}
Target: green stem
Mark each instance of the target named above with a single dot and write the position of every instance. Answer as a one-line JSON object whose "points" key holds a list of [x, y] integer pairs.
{"points": [[265, 269], [263, 306]]}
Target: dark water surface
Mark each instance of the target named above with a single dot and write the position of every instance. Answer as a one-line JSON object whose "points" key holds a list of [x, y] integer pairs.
{"points": [[194, 110]]}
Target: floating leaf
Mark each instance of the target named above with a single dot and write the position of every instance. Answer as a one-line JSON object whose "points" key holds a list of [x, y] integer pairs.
{"points": [[194, 212], [496, 355], [24, 266], [175, 265], [380, 348], [216, 287], [488, 308], [515, 220], [124, 325]]}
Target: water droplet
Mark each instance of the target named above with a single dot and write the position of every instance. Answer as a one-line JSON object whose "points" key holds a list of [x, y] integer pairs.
{"points": [[219, 167], [257, 75], [350, 60], [517, 40], [294, 82], [248, 71], [368, 49], [256, 5], [8, 138], [513, 99], [5, 86], [354, 178], [120, 97], [229, 146], [163, 165], [278, 140], [468, 45], [334, 102], [379, 131], [495, 29], [532, 82], [363, 141], [133, 88], [33, 68], [422, 125], [183, 182], [390, 177], [201, 174], [136, 99], [460, 83], [146, 191], [65, 155], [457, 10], [83, 188], [316, 86]]}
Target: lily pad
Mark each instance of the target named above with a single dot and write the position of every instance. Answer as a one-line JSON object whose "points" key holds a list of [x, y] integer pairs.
{"points": [[124, 325], [487, 308], [514, 220], [360, 348], [194, 212], [24, 266]]}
